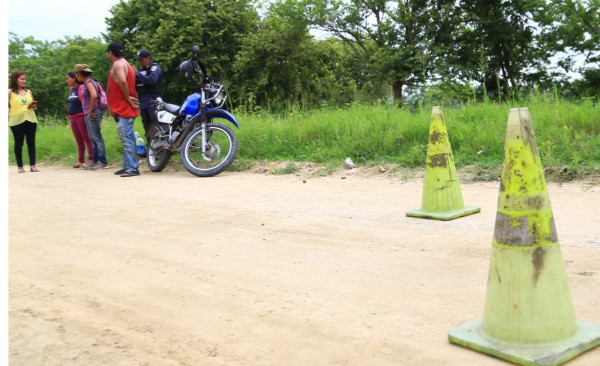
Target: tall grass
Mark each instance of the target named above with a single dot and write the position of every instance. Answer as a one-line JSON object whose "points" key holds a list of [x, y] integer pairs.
{"points": [[365, 133], [567, 134]]}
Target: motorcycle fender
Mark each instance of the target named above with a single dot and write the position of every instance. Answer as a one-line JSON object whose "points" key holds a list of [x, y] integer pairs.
{"points": [[221, 113]]}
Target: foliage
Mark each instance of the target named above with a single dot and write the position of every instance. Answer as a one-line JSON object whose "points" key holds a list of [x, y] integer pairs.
{"points": [[169, 28], [499, 41], [412, 52], [281, 64], [390, 39], [505, 46], [575, 30], [46, 65]]}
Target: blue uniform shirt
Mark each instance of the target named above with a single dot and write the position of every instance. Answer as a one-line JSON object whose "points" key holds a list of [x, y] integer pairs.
{"points": [[149, 80]]}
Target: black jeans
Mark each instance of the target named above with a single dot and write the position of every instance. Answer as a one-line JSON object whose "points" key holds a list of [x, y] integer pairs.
{"points": [[20, 132]]}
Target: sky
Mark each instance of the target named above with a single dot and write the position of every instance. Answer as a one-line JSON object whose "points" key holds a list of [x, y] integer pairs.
{"points": [[51, 20]]}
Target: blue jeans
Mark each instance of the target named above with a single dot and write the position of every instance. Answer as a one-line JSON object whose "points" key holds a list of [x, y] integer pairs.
{"points": [[93, 128], [127, 137]]}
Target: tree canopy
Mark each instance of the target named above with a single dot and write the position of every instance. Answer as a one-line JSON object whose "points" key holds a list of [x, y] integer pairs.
{"points": [[371, 50]]}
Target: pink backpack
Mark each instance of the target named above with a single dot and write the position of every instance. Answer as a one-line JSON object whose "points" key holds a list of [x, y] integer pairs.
{"points": [[102, 102], [101, 96]]}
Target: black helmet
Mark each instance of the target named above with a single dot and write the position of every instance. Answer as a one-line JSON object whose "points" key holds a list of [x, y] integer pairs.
{"points": [[186, 69]]}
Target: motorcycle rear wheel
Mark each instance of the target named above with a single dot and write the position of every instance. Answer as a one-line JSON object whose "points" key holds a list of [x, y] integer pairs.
{"points": [[221, 149], [158, 158]]}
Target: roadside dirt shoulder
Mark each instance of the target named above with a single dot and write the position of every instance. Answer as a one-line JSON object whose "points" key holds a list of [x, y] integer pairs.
{"points": [[260, 269]]}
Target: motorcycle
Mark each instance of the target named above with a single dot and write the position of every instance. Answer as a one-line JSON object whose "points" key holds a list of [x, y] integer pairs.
{"points": [[206, 147]]}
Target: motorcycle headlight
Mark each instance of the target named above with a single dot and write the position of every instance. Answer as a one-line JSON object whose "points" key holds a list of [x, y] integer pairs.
{"points": [[220, 98]]}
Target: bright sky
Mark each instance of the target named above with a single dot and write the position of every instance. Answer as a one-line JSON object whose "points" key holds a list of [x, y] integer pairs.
{"points": [[50, 20]]}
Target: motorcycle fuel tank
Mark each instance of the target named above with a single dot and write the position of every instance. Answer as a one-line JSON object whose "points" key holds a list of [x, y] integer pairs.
{"points": [[191, 105]]}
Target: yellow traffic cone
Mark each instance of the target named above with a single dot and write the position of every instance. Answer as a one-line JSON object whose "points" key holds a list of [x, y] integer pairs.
{"points": [[442, 198], [528, 317]]}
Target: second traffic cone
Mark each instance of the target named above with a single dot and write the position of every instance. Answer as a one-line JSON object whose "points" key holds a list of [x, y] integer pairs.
{"points": [[528, 317], [442, 198]]}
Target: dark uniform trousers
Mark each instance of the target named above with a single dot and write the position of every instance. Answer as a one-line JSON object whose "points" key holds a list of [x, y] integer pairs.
{"points": [[146, 111], [149, 87]]}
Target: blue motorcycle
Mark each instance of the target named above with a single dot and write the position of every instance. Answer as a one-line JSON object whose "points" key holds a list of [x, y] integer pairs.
{"points": [[206, 146]]}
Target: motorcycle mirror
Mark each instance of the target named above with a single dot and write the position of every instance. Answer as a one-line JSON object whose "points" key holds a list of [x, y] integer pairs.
{"points": [[196, 50]]}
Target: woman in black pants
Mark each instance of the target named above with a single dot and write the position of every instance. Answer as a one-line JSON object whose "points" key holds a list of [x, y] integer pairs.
{"points": [[22, 119]]}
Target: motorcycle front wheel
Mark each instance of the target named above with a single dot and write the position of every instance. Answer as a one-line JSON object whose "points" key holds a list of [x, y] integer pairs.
{"points": [[221, 147], [158, 154]]}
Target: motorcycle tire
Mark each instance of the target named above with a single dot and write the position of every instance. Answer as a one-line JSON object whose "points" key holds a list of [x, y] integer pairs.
{"points": [[157, 159], [222, 147]]}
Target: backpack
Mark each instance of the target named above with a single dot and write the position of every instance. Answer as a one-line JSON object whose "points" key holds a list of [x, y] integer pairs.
{"points": [[101, 96], [80, 92]]}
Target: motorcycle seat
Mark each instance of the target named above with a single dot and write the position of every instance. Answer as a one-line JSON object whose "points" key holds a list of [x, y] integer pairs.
{"points": [[171, 108]]}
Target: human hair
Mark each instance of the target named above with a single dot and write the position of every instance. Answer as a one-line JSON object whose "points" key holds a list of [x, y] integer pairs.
{"points": [[116, 49], [73, 76], [14, 78]]}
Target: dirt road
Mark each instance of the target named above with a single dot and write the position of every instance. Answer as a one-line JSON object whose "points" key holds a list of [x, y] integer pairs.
{"points": [[255, 269]]}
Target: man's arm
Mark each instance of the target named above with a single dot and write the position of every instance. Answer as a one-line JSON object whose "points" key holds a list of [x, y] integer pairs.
{"points": [[151, 79]]}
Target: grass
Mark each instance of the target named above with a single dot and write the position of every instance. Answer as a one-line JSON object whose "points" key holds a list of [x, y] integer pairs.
{"points": [[290, 168], [56, 144], [567, 136]]}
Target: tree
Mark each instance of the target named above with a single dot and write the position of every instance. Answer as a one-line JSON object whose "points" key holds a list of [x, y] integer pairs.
{"points": [[390, 38], [281, 63], [512, 45], [574, 35], [46, 64], [503, 38], [169, 28]]}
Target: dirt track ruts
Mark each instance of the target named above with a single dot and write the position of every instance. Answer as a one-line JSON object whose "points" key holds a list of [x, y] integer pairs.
{"points": [[250, 269]]}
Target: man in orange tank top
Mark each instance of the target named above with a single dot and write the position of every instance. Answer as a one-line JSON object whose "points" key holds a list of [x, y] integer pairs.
{"points": [[123, 104]]}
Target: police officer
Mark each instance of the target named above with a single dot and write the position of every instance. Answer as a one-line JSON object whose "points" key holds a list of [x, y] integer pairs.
{"points": [[149, 84]]}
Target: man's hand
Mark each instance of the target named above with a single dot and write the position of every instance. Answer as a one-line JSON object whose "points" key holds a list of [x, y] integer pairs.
{"points": [[134, 101]]}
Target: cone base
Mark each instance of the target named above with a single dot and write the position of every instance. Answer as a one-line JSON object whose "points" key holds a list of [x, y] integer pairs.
{"points": [[445, 215], [470, 335]]}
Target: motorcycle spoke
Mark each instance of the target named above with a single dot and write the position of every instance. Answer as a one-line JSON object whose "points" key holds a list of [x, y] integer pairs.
{"points": [[217, 149], [220, 150]]}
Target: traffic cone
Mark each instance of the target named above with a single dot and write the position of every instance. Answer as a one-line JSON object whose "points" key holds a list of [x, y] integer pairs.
{"points": [[528, 317], [442, 198]]}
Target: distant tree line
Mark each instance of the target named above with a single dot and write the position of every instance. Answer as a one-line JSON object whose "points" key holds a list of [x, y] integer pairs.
{"points": [[364, 51]]}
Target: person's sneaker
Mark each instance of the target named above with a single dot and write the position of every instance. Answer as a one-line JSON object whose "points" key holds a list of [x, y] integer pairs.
{"points": [[99, 165], [120, 171], [91, 165], [130, 173]]}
